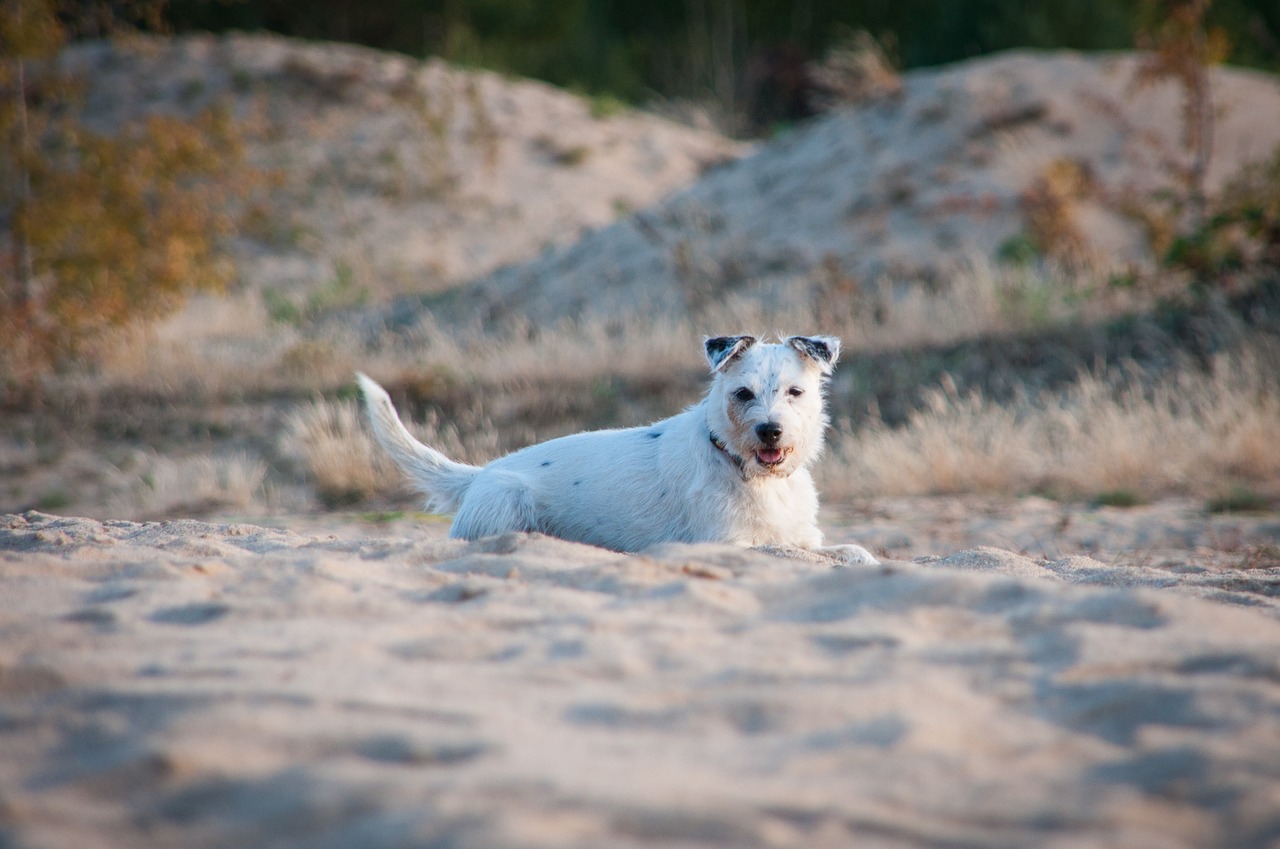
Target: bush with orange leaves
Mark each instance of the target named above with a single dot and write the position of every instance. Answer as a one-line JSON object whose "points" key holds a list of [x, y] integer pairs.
{"points": [[97, 231]]}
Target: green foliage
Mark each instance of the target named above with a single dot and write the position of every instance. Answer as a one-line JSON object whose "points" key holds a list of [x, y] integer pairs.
{"points": [[635, 48], [381, 517], [1240, 237], [1119, 498], [1239, 499], [340, 292], [386, 517], [55, 499], [606, 106], [1018, 249], [1032, 303]]}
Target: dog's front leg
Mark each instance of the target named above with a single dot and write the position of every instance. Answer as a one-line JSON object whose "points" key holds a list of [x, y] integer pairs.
{"points": [[836, 555], [849, 554]]}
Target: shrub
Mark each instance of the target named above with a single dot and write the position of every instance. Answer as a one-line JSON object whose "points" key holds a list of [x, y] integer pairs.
{"points": [[1238, 499], [100, 230], [1241, 235]]}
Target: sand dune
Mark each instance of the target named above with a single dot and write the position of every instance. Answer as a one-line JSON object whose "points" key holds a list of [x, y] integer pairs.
{"points": [[191, 684], [909, 189], [408, 174]]}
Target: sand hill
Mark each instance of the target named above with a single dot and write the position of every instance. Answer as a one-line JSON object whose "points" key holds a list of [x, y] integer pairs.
{"points": [[481, 196], [962, 162], [417, 174]]}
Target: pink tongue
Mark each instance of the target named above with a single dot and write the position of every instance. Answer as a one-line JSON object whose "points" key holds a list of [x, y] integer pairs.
{"points": [[769, 456]]}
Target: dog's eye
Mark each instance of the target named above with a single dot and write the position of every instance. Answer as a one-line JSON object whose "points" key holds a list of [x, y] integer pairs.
{"points": [[744, 395], [795, 392]]}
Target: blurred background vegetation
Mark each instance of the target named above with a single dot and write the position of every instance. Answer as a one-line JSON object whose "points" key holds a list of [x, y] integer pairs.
{"points": [[638, 49], [71, 272]]}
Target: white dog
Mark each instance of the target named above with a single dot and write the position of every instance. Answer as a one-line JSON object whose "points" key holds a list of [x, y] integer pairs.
{"points": [[733, 468]]}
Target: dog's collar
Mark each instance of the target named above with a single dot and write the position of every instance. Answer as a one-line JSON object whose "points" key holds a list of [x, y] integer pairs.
{"points": [[738, 462]]}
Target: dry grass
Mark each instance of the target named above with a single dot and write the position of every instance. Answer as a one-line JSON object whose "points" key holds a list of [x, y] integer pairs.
{"points": [[1184, 435], [1193, 434], [221, 346], [329, 443], [212, 346], [526, 354], [953, 445], [983, 299], [167, 486]]}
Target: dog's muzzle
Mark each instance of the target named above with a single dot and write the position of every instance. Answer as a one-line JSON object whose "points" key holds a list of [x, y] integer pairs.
{"points": [[769, 454]]}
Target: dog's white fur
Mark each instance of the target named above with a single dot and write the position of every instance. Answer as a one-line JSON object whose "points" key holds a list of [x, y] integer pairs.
{"points": [[709, 474]]}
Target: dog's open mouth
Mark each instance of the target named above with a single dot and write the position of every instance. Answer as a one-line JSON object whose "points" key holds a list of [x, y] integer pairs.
{"points": [[770, 456]]}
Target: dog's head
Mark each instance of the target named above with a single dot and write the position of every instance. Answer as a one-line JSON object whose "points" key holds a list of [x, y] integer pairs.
{"points": [[766, 400]]}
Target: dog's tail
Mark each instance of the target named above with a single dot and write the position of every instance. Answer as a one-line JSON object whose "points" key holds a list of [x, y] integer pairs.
{"points": [[443, 481]]}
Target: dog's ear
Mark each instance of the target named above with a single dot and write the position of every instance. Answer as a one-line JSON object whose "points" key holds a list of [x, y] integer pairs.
{"points": [[823, 350], [721, 350]]}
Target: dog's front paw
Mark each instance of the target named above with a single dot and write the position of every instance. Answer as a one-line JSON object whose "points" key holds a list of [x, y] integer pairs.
{"points": [[851, 554]]}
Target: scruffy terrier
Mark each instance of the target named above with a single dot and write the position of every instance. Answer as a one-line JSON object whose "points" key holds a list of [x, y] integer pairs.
{"points": [[733, 468]]}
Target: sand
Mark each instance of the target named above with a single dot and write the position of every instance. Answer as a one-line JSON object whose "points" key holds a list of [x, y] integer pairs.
{"points": [[194, 684]]}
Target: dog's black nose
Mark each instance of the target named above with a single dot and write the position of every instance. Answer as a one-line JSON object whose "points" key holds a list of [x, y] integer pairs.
{"points": [[769, 433]]}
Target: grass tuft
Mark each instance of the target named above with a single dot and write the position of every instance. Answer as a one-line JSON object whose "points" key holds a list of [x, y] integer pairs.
{"points": [[1238, 499], [1118, 498], [328, 441]]}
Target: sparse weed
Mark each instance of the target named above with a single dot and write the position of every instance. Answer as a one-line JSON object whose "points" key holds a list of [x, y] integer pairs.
{"points": [[1238, 499], [55, 499], [1118, 498], [568, 155], [327, 441], [603, 106], [857, 68], [1050, 209], [193, 485], [1262, 556]]}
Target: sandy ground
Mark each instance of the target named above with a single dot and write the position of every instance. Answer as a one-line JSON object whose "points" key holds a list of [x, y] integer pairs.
{"points": [[350, 684]]}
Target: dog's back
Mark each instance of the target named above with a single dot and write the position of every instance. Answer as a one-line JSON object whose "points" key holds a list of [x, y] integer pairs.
{"points": [[624, 489]]}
